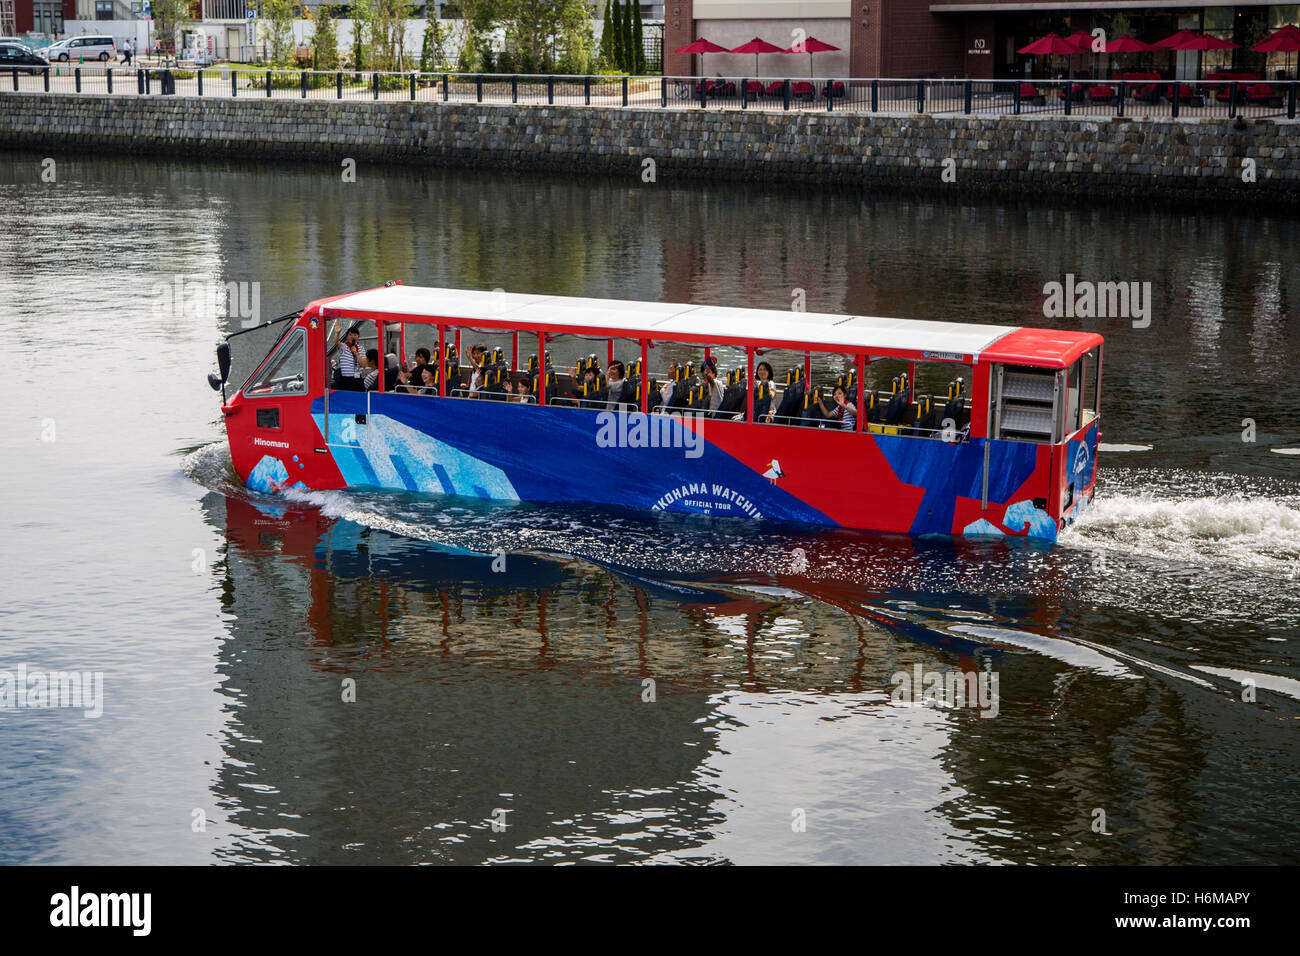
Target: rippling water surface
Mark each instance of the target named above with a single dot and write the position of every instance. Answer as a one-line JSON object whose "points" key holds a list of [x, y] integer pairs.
{"points": [[226, 623]]}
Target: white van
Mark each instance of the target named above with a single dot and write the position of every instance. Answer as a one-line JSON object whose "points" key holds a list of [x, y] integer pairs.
{"points": [[82, 48]]}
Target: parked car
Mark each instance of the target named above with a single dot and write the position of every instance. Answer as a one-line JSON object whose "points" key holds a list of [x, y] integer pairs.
{"points": [[82, 48], [15, 56]]}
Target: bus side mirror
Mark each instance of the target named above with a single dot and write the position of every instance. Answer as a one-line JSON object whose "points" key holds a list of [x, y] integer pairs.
{"points": [[223, 360]]}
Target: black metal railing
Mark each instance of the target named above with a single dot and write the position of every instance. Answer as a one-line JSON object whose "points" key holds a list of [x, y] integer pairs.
{"points": [[939, 97]]}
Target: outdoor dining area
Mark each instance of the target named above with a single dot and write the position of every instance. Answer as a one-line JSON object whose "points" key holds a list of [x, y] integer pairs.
{"points": [[1235, 88], [755, 90], [1082, 72]]}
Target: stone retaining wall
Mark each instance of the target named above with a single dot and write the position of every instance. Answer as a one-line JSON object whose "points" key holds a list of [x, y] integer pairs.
{"points": [[1158, 159]]}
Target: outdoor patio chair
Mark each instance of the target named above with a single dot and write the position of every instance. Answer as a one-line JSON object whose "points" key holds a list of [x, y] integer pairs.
{"points": [[1147, 93], [1262, 94], [1102, 94], [1029, 94]]}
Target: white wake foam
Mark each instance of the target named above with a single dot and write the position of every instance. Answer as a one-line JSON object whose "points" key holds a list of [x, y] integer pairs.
{"points": [[1251, 532]]}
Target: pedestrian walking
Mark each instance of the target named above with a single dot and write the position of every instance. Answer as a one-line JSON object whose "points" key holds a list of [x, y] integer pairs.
{"points": [[126, 53]]}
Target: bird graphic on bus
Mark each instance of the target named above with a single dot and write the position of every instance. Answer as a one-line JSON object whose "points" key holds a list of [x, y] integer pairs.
{"points": [[773, 471]]}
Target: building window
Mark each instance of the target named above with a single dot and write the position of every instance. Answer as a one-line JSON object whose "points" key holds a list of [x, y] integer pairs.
{"points": [[103, 9]]}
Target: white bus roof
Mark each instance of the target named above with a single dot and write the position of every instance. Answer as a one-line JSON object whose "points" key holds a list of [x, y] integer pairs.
{"points": [[668, 321]]}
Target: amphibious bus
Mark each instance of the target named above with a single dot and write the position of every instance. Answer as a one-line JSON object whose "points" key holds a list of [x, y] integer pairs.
{"points": [[882, 424]]}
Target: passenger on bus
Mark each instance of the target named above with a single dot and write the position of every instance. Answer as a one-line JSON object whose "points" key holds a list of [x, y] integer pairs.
{"points": [[712, 387], [371, 368], [523, 391], [477, 360], [422, 357], [617, 382], [349, 372], [763, 373], [840, 410], [429, 385], [589, 375], [405, 378]]}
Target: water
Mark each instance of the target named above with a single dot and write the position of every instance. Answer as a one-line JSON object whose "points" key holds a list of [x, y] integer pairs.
{"points": [[226, 623]]}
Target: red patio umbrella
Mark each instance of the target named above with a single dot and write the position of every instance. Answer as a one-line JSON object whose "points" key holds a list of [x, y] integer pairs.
{"points": [[1082, 41], [1190, 40], [1127, 44], [1171, 42], [1052, 44], [1204, 41], [702, 46], [757, 46], [810, 45], [1284, 40]]}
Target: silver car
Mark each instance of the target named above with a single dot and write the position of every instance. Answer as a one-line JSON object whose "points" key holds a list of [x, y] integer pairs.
{"points": [[82, 48]]}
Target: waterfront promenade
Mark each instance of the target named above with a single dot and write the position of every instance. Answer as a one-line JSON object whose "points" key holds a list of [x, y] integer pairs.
{"points": [[978, 146]]}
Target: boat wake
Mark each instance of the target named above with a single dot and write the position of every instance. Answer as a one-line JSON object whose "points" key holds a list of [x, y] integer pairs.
{"points": [[1258, 534]]}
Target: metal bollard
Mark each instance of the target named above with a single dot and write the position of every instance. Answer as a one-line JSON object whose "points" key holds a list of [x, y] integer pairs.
{"points": [[108, 76], [920, 96], [374, 84], [1069, 90], [446, 88], [514, 89], [148, 83], [875, 96], [338, 84], [785, 94], [625, 91], [268, 84], [1290, 102], [744, 92], [969, 97], [479, 80], [302, 81], [412, 87], [829, 98], [1175, 100], [586, 84], [199, 74], [550, 91], [15, 81], [1122, 90], [1016, 88], [663, 92], [234, 84], [1232, 102], [46, 72], [76, 76]]}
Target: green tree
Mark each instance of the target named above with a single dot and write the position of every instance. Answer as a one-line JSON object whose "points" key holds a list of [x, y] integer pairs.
{"points": [[616, 25], [324, 39], [433, 51], [607, 35], [638, 41], [275, 22], [168, 17]]}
